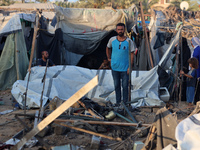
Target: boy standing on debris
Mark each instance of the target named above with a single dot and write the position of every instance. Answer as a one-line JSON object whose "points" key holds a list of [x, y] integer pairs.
{"points": [[117, 52], [191, 79]]}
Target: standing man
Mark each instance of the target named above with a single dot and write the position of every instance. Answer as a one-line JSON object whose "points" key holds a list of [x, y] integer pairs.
{"points": [[43, 60], [117, 52]]}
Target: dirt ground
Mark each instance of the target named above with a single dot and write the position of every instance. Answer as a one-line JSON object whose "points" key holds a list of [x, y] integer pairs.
{"points": [[10, 126]]}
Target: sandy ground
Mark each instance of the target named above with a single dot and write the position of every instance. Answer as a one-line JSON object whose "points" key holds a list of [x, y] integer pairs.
{"points": [[10, 126]]}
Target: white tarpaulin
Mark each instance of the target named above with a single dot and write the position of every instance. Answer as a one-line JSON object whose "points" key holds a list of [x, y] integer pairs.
{"points": [[81, 20], [10, 24], [64, 81], [83, 29], [188, 133]]}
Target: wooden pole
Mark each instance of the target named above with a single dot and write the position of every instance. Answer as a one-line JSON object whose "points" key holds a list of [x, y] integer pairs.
{"points": [[50, 118], [41, 98], [90, 132], [130, 70], [30, 62], [145, 33], [102, 122], [181, 42], [177, 68], [33, 42]]}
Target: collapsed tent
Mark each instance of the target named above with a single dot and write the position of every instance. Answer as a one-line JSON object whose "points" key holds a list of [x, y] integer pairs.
{"points": [[64, 81]]}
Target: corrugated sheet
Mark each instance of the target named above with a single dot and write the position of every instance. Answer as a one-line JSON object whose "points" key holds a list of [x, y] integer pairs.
{"points": [[29, 6]]}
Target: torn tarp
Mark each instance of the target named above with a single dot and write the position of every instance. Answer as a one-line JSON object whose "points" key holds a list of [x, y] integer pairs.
{"points": [[64, 81]]}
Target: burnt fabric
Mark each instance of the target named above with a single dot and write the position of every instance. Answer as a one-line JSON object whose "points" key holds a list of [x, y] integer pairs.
{"points": [[163, 129], [51, 43], [160, 40], [29, 39], [168, 37], [143, 57]]}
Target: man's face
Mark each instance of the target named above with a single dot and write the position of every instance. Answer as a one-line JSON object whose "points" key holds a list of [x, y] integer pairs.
{"points": [[46, 54], [120, 30]]}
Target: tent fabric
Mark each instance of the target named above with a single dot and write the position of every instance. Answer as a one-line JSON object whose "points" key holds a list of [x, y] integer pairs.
{"points": [[11, 24], [153, 27], [83, 44], [51, 43], [85, 28], [70, 58], [164, 62], [13, 61], [81, 20], [64, 81], [143, 56], [188, 133]]}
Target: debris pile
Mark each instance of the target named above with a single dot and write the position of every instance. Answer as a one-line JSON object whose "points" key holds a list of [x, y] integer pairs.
{"points": [[174, 15]]}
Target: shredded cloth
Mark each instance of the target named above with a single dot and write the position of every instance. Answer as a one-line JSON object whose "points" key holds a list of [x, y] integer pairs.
{"points": [[164, 131]]}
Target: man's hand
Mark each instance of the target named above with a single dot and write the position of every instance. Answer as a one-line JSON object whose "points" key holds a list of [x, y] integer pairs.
{"points": [[128, 71], [182, 72], [109, 59]]}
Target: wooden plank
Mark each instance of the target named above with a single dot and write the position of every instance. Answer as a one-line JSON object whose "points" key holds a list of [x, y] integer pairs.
{"points": [[46, 145], [103, 122], [33, 42], [68, 103], [93, 133]]}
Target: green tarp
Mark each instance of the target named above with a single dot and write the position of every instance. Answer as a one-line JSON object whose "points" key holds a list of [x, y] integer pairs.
{"points": [[13, 61]]}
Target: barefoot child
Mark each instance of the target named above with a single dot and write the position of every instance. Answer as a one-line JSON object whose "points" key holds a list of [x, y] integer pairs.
{"points": [[191, 79]]}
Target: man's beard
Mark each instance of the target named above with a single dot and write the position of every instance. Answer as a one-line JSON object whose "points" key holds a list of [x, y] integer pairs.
{"points": [[121, 34]]}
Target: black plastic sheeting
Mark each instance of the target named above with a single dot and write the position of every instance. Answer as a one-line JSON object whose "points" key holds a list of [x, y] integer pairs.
{"points": [[51, 43]]}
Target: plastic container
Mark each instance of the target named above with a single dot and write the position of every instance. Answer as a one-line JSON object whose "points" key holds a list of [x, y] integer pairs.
{"points": [[95, 142], [164, 94]]}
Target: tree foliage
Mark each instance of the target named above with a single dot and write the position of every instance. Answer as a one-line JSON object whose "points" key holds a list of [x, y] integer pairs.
{"points": [[6, 2], [63, 4], [116, 4]]}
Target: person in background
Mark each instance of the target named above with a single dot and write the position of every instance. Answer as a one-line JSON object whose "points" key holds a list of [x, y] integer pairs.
{"points": [[196, 45], [191, 80], [105, 64], [117, 52], [43, 60]]}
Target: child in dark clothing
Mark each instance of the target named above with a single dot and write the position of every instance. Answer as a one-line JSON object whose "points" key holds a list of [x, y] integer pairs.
{"points": [[105, 64], [191, 79]]}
